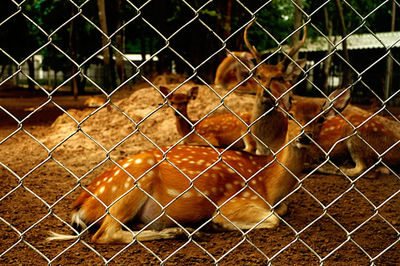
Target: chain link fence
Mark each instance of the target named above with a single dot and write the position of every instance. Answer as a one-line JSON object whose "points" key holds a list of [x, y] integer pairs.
{"points": [[334, 218]]}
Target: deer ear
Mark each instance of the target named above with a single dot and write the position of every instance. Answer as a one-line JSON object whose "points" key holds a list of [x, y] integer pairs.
{"points": [[279, 89], [164, 90], [293, 70], [193, 92], [341, 98]]}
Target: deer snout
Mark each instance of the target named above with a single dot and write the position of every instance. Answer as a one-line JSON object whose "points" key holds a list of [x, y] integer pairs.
{"points": [[305, 139]]}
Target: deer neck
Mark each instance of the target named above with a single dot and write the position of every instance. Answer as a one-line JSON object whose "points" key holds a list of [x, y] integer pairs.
{"points": [[279, 180], [293, 156], [271, 127], [182, 124]]}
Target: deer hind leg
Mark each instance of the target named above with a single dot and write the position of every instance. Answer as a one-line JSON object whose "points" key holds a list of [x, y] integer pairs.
{"points": [[122, 211], [113, 233], [244, 215]]}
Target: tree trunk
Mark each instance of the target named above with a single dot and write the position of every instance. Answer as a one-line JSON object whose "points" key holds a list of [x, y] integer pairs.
{"points": [[227, 19], [143, 44], [31, 69], [107, 79], [119, 42], [328, 60], [346, 70], [74, 84], [296, 24], [389, 63]]}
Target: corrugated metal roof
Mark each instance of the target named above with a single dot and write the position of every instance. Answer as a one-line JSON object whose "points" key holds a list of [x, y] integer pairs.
{"points": [[383, 40]]}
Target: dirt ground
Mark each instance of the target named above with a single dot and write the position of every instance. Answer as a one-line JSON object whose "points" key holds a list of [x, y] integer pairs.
{"points": [[331, 219]]}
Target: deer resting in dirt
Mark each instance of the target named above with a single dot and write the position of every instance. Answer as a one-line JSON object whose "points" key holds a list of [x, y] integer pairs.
{"points": [[236, 189], [220, 130], [148, 189], [372, 136]]}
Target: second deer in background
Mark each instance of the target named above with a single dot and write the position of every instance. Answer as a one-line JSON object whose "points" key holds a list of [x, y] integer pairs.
{"points": [[364, 138], [224, 130], [220, 130]]}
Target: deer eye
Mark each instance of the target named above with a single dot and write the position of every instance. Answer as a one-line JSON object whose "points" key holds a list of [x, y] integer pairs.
{"points": [[321, 120]]}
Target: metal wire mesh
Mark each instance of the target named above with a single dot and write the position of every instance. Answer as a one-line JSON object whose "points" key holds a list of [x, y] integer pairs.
{"points": [[354, 187]]}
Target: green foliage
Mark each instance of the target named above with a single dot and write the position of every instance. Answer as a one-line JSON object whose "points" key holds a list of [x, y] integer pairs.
{"points": [[20, 38]]}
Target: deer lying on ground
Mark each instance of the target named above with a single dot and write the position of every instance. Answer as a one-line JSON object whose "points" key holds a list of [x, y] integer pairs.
{"points": [[220, 130], [381, 134], [235, 189], [224, 129]]}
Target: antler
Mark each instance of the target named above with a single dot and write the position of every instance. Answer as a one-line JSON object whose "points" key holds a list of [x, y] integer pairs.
{"points": [[252, 49], [292, 51], [296, 47]]}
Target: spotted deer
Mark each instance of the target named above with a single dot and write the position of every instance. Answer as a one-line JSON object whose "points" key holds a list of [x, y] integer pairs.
{"points": [[234, 70], [278, 78], [364, 137], [220, 130], [223, 130], [193, 184]]}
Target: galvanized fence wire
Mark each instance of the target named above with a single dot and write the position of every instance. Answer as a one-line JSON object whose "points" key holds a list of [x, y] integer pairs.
{"points": [[223, 47]]}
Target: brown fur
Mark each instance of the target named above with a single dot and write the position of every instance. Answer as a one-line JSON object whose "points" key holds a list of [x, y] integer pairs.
{"points": [[379, 132], [220, 130]]}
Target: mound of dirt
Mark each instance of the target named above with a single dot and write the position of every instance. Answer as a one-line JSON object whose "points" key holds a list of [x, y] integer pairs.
{"points": [[142, 119]]}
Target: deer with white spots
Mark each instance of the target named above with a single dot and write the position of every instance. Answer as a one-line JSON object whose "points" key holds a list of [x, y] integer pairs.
{"points": [[172, 187], [372, 136], [226, 130], [220, 130], [192, 184]]}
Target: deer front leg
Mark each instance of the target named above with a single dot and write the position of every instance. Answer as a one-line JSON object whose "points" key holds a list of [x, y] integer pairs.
{"points": [[244, 215], [249, 143], [357, 156]]}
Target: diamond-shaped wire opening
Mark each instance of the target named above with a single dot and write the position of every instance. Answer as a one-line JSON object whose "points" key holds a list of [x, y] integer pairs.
{"points": [[387, 210], [34, 153], [359, 211], [295, 252], [378, 196], [19, 217], [374, 246], [25, 33], [323, 236], [347, 252]]}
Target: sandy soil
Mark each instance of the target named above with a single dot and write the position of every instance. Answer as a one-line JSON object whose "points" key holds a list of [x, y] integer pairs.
{"points": [[331, 218]]}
